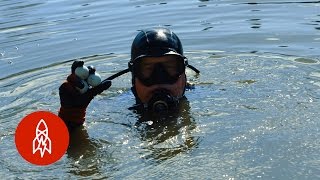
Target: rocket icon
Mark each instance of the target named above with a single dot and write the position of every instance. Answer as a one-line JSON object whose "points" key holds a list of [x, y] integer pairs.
{"points": [[41, 142]]}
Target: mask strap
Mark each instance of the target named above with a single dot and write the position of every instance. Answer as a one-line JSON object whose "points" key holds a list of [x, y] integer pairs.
{"points": [[116, 75], [193, 68], [128, 70]]}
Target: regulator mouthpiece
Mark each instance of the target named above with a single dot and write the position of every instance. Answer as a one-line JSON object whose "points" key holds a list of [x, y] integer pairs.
{"points": [[160, 106], [162, 101]]}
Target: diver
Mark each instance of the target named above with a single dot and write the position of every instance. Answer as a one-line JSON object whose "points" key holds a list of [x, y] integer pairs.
{"points": [[159, 81]]}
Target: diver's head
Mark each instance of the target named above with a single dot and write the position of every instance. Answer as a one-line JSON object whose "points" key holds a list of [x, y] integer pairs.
{"points": [[158, 67]]}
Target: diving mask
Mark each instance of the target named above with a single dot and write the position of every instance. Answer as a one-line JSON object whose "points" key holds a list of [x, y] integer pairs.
{"points": [[163, 72]]}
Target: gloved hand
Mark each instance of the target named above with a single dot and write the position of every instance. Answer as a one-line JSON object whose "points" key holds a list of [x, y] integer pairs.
{"points": [[73, 103]]}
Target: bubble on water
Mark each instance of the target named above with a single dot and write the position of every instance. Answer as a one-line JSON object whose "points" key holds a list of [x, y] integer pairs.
{"points": [[149, 123]]}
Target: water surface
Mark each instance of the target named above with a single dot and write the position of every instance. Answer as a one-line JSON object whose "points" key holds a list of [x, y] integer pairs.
{"points": [[253, 113]]}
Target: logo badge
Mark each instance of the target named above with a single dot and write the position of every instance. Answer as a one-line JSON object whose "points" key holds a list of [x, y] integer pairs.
{"points": [[42, 141], [42, 138]]}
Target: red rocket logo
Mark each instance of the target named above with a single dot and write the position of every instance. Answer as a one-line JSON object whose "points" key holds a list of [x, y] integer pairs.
{"points": [[41, 138], [42, 142]]}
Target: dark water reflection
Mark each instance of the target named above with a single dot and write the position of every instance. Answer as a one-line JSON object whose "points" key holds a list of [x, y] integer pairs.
{"points": [[255, 23], [155, 129], [162, 137], [87, 156]]}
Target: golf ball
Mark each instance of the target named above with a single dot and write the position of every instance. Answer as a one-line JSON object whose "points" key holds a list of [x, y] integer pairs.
{"points": [[94, 79], [82, 72], [85, 88]]}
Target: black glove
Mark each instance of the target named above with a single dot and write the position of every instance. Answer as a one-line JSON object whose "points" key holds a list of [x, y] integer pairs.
{"points": [[71, 97], [73, 103]]}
